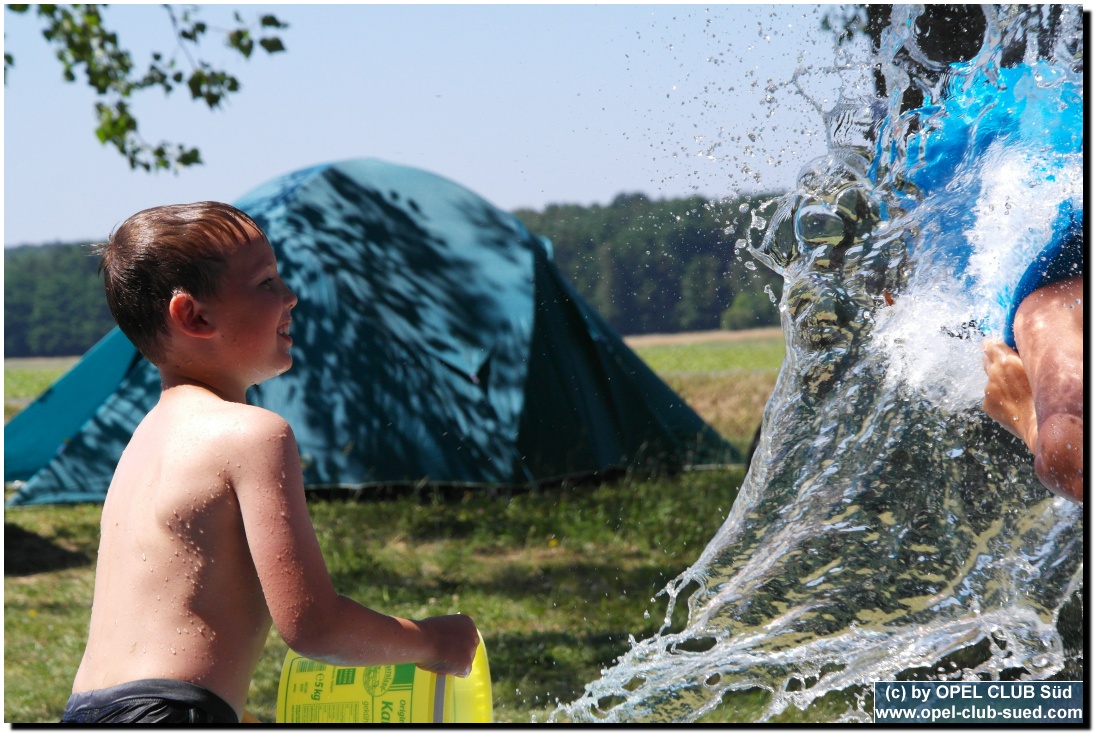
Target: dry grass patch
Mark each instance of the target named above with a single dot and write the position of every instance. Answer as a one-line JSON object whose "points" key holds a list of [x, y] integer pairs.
{"points": [[731, 403]]}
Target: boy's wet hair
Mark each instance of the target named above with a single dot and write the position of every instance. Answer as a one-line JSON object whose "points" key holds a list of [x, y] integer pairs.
{"points": [[162, 251]]}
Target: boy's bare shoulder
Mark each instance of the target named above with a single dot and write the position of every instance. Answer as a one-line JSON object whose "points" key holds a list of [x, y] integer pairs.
{"points": [[198, 436], [261, 436], [252, 420], [228, 424]]}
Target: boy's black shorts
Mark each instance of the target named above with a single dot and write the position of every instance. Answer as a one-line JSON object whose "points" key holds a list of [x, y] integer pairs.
{"points": [[150, 700]]}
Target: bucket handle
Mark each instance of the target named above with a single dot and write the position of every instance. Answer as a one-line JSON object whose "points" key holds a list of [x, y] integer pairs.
{"points": [[439, 699]]}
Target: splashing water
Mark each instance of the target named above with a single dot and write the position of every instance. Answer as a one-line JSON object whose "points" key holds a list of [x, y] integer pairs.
{"points": [[887, 528]]}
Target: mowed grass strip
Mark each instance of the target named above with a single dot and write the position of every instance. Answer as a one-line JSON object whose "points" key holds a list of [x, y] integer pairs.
{"points": [[713, 358]]}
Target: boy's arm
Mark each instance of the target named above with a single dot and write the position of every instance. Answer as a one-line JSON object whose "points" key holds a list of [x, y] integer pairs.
{"points": [[310, 615]]}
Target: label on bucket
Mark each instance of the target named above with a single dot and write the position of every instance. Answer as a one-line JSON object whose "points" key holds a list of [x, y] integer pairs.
{"points": [[315, 692]]}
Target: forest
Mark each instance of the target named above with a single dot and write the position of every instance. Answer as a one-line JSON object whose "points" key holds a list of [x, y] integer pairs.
{"points": [[647, 266]]}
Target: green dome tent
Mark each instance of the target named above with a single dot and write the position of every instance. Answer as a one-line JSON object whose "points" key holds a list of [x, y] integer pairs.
{"points": [[434, 341]]}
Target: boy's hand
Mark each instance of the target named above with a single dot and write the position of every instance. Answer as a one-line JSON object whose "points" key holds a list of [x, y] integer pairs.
{"points": [[452, 641]]}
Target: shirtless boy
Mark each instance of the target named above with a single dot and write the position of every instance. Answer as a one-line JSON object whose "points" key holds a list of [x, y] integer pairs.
{"points": [[206, 538]]}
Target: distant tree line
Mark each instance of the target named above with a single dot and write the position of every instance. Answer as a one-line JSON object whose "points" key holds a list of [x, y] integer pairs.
{"points": [[646, 266], [53, 300], [664, 266]]}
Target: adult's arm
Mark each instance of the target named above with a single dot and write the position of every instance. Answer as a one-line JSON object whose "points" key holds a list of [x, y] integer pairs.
{"points": [[1049, 337]]}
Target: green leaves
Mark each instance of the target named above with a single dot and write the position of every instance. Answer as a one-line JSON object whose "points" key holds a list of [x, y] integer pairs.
{"points": [[115, 123], [210, 85], [243, 40], [240, 39], [83, 44], [272, 45]]}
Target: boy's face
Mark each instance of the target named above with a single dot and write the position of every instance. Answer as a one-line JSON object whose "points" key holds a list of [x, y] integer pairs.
{"points": [[251, 311]]}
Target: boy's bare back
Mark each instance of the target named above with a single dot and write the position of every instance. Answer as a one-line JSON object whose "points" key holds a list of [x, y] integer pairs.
{"points": [[177, 594]]}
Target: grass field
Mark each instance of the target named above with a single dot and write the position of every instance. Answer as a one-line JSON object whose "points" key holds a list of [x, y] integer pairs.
{"points": [[26, 378], [557, 579]]}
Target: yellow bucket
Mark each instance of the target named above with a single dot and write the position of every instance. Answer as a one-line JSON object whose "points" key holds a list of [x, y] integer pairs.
{"points": [[311, 691]]}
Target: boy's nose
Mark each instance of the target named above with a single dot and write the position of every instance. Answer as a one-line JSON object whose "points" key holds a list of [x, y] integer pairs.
{"points": [[290, 297]]}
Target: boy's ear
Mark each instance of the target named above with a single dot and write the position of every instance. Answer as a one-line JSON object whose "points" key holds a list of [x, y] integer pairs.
{"points": [[188, 314]]}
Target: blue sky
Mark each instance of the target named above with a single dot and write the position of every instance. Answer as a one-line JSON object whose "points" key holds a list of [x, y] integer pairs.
{"points": [[524, 104]]}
